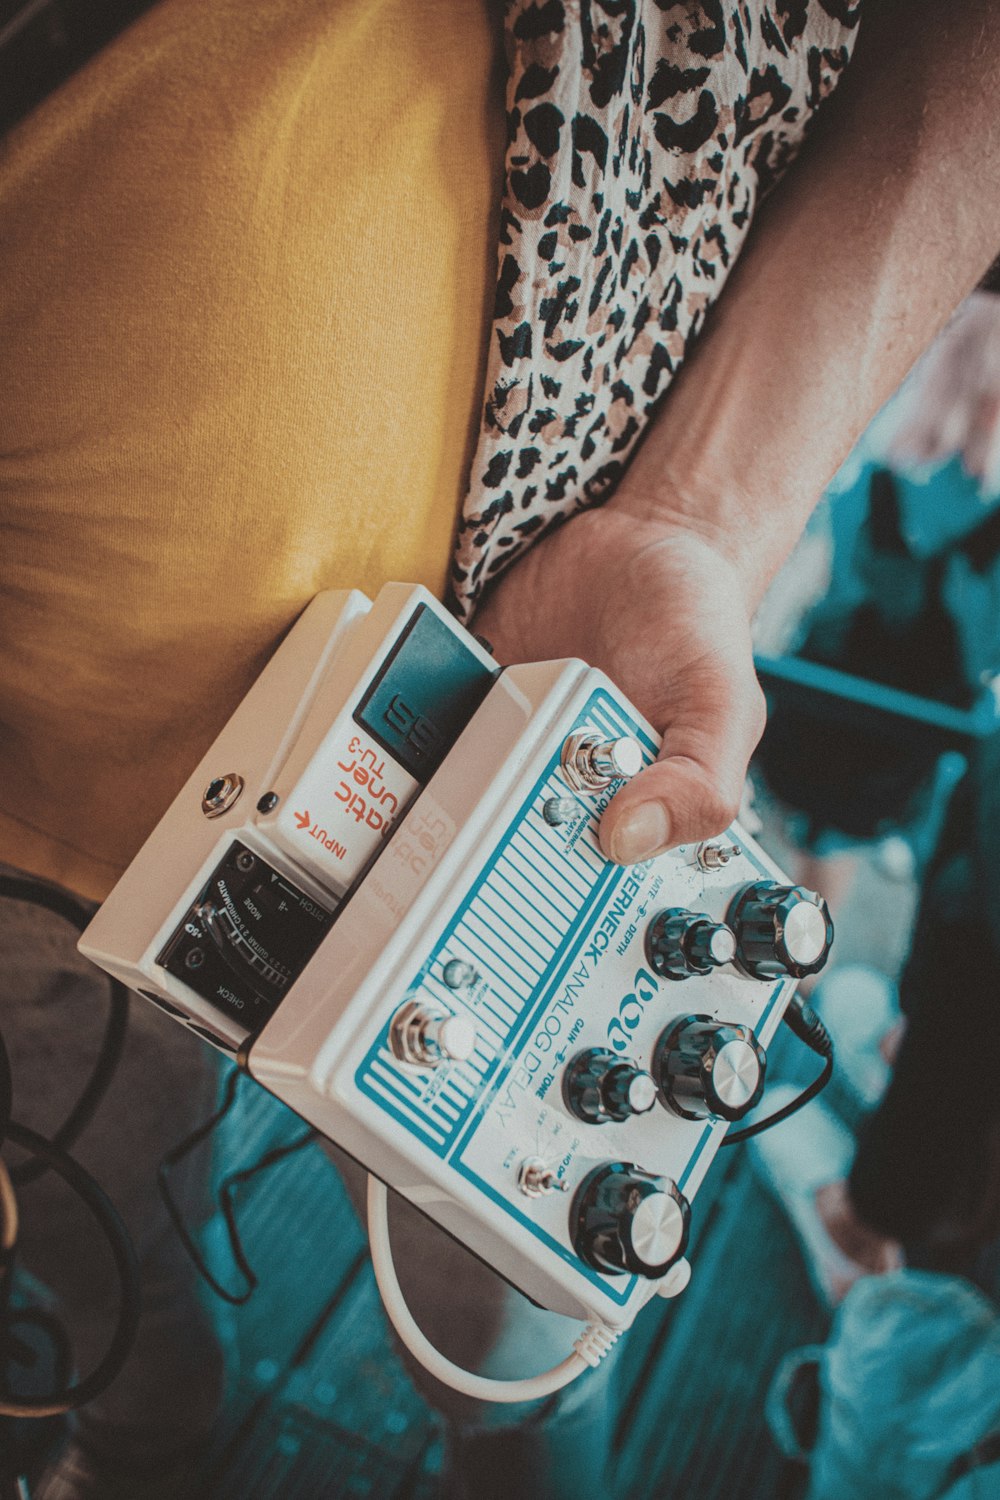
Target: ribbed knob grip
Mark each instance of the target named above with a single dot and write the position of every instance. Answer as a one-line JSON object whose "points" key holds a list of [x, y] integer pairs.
{"points": [[680, 943], [709, 1069], [780, 930], [626, 1220], [599, 1086]]}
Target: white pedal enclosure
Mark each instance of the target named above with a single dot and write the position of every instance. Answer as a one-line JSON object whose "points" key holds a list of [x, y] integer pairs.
{"points": [[383, 888]]}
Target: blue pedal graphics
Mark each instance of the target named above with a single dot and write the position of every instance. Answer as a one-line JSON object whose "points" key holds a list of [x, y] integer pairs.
{"points": [[534, 929]]}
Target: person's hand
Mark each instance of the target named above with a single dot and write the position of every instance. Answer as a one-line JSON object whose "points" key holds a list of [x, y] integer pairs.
{"points": [[666, 616]]}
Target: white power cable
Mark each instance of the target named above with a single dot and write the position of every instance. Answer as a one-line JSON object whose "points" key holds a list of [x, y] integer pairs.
{"points": [[589, 1349]]}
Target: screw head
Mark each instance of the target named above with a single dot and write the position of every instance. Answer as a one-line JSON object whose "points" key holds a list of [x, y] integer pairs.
{"points": [[268, 802]]}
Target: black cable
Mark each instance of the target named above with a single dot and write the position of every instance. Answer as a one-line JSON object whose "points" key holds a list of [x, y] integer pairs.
{"points": [[807, 1026], [226, 1195], [68, 1396], [94, 1090], [49, 897], [45, 1155], [177, 1154], [62, 904]]}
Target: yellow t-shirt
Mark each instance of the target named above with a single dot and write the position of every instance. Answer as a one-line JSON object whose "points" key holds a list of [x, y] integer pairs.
{"points": [[248, 265]]}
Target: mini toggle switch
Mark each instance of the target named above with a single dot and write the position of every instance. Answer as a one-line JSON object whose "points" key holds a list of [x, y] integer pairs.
{"points": [[536, 1179], [591, 764], [716, 856], [680, 943], [426, 1038], [599, 1086]]}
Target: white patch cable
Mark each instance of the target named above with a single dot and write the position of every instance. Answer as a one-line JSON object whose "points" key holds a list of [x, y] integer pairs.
{"points": [[588, 1350]]}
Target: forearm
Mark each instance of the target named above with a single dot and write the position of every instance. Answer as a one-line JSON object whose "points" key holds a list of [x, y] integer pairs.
{"points": [[889, 218]]}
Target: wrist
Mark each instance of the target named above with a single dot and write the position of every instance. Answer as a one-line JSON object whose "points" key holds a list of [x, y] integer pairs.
{"points": [[751, 538], [641, 551]]}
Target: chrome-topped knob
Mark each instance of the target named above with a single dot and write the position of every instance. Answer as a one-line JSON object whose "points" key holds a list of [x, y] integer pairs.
{"points": [[706, 1068], [590, 764], [680, 943], [780, 930], [626, 1220], [599, 1086]]}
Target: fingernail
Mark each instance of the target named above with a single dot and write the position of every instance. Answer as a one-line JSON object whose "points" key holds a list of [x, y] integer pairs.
{"points": [[640, 833]]}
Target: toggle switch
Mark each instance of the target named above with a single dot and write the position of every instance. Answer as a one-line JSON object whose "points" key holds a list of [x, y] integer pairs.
{"points": [[536, 1179], [716, 856]]}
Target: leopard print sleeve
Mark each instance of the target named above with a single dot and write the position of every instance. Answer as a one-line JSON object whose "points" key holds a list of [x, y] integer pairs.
{"points": [[642, 134]]}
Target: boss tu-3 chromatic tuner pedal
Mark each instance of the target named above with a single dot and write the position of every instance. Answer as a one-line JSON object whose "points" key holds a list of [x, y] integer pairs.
{"points": [[382, 889]]}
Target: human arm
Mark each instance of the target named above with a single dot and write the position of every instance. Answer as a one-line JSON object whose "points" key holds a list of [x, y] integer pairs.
{"points": [[885, 223]]}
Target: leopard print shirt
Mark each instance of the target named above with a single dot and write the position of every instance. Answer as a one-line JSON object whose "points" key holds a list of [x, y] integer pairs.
{"points": [[641, 136]]}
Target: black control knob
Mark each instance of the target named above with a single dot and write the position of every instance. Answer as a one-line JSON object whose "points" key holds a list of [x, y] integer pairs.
{"points": [[626, 1220], [680, 943], [780, 930], [707, 1068], [599, 1086]]}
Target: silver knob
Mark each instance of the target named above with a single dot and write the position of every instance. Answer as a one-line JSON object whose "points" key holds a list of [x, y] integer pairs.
{"points": [[680, 943], [657, 1229], [780, 929], [707, 1068], [599, 1086], [624, 1219]]}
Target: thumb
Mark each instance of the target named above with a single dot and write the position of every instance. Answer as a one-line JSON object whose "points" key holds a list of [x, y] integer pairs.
{"points": [[694, 789]]}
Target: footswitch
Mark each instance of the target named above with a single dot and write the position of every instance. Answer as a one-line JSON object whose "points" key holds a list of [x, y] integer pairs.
{"points": [[383, 890]]}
